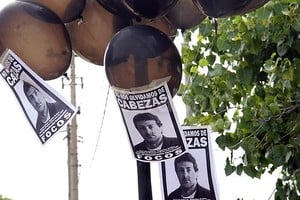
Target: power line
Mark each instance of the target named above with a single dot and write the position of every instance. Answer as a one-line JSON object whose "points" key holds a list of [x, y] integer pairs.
{"points": [[101, 125]]}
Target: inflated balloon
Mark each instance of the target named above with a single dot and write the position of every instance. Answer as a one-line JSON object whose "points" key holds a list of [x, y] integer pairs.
{"points": [[138, 8], [37, 36], [220, 8], [91, 34], [67, 10], [118, 7], [162, 24], [253, 5], [139, 55], [185, 15], [151, 9]]}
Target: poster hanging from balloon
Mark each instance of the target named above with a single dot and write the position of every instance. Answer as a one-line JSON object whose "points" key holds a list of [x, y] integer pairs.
{"points": [[151, 122], [46, 110], [191, 175]]}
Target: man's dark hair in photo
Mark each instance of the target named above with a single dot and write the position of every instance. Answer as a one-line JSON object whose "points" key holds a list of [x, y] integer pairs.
{"points": [[27, 86], [45, 109], [150, 128], [186, 157], [146, 116]]}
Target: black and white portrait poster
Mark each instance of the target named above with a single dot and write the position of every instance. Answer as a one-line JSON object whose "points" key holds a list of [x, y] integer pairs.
{"points": [[46, 110], [191, 175], [151, 122]]}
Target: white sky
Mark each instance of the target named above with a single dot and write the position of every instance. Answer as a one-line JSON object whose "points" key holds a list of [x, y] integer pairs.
{"points": [[30, 171]]}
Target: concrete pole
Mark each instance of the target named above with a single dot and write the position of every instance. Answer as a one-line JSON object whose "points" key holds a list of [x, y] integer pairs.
{"points": [[72, 142]]}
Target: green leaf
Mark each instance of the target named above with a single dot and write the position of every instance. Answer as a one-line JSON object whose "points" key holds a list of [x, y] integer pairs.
{"points": [[250, 144], [229, 168], [297, 71], [297, 177], [221, 142], [288, 74], [272, 136], [277, 154], [194, 69], [211, 58], [274, 107], [222, 43], [245, 75], [203, 62], [281, 48], [216, 71], [219, 124], [251, 171], [239, 169], [296, 25], [206, 27], [286, 12], [264, 13]]}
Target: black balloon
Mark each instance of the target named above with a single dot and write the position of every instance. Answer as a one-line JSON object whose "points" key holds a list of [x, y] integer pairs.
{"points": [[37, 36], [185, 15], [91, 34], [220, 8], [140, 54], [118, 7], [67, 10], [253, 5], [150, 9], [162, 24]]}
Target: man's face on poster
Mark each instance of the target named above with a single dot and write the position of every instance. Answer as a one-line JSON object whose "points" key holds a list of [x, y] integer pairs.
{"points": [[150, 130], [186, 174], [36, 99]]}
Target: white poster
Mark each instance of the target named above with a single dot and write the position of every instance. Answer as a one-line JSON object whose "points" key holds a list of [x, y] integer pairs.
{"points": [[151, 122], [46, 110], [191, 175]]}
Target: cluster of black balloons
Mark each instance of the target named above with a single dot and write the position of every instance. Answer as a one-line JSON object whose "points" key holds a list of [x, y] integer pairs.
{"points": [[133, 39]]}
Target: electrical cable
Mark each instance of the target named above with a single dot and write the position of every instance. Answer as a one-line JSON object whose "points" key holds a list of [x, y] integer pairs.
{"points": [[101, 125]]}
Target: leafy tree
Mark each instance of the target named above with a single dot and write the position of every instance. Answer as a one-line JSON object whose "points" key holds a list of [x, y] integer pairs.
{"points": [[243, 79], [3, 198]]}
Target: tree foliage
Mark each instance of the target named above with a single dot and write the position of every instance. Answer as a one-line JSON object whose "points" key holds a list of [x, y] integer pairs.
{"points": [[3, 198], [243, 79]]}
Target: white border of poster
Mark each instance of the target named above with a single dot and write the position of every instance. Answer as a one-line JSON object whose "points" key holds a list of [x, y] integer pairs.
{"points": [[158, 102], [199, 146], [17, 74]]}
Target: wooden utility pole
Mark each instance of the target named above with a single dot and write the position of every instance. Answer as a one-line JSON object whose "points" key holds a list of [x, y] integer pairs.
{"points": [[72, 141]]}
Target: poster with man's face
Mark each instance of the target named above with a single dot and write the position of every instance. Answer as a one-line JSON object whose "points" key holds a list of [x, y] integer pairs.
{"points": [[46, 110], [151, 123], [191, 175]]}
